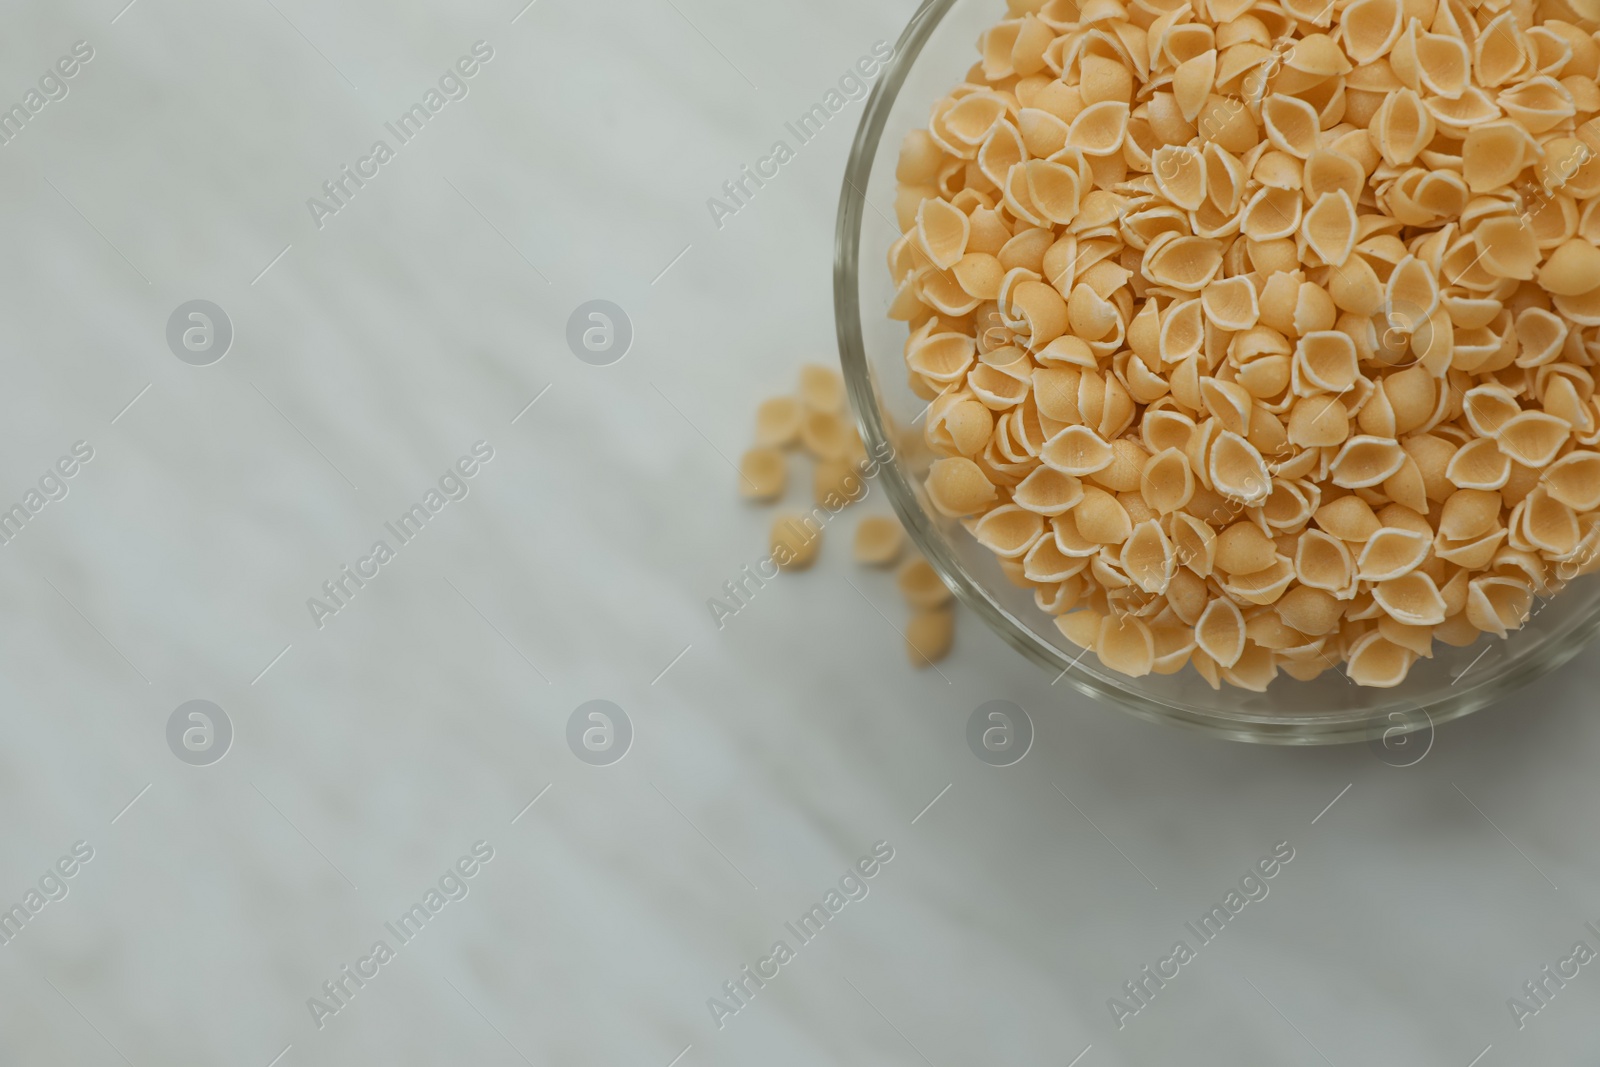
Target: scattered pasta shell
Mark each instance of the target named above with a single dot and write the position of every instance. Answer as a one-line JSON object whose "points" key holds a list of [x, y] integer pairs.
{"points": [[878, 541], [929, 637], [921, 585], [763, 473], [835, 483], [825, 435], [795, 541], [778, 422]]}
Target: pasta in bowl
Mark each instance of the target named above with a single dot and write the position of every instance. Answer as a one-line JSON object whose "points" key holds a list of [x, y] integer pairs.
{"points": [[1236, 356]]}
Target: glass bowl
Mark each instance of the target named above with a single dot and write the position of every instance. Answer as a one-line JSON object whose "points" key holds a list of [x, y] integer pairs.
{"points": [[931, 57]]}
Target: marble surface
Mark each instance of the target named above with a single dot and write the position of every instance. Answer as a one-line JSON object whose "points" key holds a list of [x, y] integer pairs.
{"points": [[372, 754]]}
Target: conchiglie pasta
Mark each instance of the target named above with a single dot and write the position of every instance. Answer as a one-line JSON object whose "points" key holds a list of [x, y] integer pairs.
{"points": [[1259, 339]]}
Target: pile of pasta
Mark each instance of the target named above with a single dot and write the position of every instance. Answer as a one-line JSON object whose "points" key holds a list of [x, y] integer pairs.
{"points": [[1259, 335]]}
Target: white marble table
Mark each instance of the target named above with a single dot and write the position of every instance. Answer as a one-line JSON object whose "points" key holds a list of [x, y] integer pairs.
{"points": [[372, 752]]}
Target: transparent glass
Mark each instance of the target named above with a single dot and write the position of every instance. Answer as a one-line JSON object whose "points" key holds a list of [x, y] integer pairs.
{"points": [[932, 56]]}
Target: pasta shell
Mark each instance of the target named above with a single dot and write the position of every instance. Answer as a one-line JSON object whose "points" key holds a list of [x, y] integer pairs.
{"points": [[1326, 360], [1270, 214], [1533, 438], [957, 486], [1000, 151], [1412, 599], [1262, 587], [942, 232], [1506, 248], [1318, 421], [1100, 128], [1548, 524], [1053, 190], [1255, 670], [1167, 483], [1182, 332], [1043, 134], [1180, 174], [1291, 124], [1574, 479], [1322, 561], [1124, 644], [1048, 491], [1077, 451], [971, 118], [1392, 553], [1182, 263], [1488, 408], [1538, 104], [1540, 335], [1101, 518], [1069, 540], [1148, 557], [1230, 304], [1377, 662], [1220, 632], [1192, 82], [1498, 605], [1370, 28], [1225, 178], [1492, 156], [1081, 627], [1402, 127], [1443, 64], [1008, 531], [1499, 54], [1237, 470], [1330, 227], [1479, 464], [1045, 562], [1194, 542], [1365, 461], [1572, 268]]}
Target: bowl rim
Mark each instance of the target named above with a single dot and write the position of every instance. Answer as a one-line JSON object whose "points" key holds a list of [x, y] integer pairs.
{"points": [[1376, 726]]}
